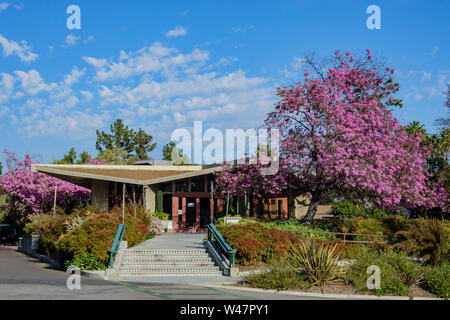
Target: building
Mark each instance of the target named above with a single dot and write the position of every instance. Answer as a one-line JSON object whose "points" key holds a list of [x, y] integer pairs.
{"points": [[184, 191]]}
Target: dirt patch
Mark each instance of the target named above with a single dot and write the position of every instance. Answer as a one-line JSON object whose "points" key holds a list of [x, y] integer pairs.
{"points": [[342, 288], [253, 267]]}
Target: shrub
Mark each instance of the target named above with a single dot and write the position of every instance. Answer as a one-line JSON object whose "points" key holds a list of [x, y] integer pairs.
{"points": [[318, 261], [297, 225], [161, 215], [49, 228], [141, 213], [352, 209], [281, 276], [437, 280], [363, 226], [96, 236], [394, 224], [255, 242], [426, 239], [86, 261], [398, 272]]}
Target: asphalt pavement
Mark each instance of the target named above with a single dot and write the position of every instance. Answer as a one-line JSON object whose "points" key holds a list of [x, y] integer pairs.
{"points": [[24, 277]]}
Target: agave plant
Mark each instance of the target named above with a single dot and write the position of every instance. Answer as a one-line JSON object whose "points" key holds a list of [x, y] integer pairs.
{"points": [[74, 223], [319, 262], [426, 239]]}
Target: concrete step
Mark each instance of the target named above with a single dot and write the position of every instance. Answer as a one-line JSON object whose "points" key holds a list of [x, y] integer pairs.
{"points": [[171, 274], [157, 269], [166, 251], [167, 261], [167, 264]]}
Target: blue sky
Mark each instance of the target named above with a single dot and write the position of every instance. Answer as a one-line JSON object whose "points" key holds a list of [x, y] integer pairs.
{"points": [[161, 65]]}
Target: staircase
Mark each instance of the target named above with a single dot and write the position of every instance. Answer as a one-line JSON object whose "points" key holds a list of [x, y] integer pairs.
{"points": [[168, 262]]}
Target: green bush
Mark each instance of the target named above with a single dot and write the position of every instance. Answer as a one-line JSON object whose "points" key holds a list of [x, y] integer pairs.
{"points": [[437, 280], [398, 272], [281, 276], [297, 225], [96, 236], [363, 226], [318, 261], [161, 215], [352, 209], [86, 261]]}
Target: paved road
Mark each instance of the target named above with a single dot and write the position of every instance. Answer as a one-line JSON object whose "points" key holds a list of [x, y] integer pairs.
{"points": [[23, 277]]}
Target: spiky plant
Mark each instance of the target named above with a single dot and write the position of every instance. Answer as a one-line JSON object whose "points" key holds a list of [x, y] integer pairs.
{"points": [[319, 262], [426, 239], [141, 213]]}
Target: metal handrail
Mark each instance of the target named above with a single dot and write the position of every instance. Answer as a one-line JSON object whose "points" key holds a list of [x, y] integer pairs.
{"points": [[116, 243], [213, 233]]}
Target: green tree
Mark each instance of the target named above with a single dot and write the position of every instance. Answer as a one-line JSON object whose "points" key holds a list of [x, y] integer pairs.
{"points": [[136, 144], [68, 158], [172, 153], [83, 157]]}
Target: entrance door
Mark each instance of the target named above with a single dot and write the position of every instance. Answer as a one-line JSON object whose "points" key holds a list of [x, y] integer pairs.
{"points": [[190, 214]]}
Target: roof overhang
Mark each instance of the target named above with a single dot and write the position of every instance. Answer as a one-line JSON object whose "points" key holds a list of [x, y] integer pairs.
{"points": [[84, 179]]}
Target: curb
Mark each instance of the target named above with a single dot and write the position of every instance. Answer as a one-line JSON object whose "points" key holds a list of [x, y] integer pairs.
{"points": [[322, 295], [99, 274]]}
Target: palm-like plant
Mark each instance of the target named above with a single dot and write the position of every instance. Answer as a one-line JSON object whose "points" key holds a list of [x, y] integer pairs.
{"points": [[319, 262], [426, 239]]}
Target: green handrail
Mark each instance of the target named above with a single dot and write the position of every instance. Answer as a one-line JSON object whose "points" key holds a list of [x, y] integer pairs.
{"points": [[214, 234], [116, 243]]}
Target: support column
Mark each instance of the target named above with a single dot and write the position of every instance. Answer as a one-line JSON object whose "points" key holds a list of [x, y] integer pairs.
{"points": [[150, 198], [183, 213], [175, 206], [269, 208], [285, 208], [220, 205], [211, 209], [99, 195], [197, 213]]}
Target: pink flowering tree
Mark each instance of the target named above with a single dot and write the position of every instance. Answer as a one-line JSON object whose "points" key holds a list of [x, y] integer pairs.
{"points": [[339, 137], [34, 192]]}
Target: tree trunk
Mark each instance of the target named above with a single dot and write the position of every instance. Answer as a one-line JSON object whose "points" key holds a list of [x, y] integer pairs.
{"points": [[309, 217]]}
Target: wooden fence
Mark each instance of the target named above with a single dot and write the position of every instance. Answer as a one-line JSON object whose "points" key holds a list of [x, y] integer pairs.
{"points": [[374, 238]]}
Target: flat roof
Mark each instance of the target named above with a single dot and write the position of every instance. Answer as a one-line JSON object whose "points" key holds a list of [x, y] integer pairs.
{"points": [[140, 175]]}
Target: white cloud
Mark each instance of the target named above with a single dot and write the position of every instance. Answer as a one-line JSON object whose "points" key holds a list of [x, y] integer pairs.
{"points": [[74, 76], [242, 29], [32, 82], [294, 67], [98, 63], [3, 111], [156, 58], [89, 39], [22, 50], [178, 31], [87, 95], [3, 6], [71, 40], [6, 87], [19, 6]]}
